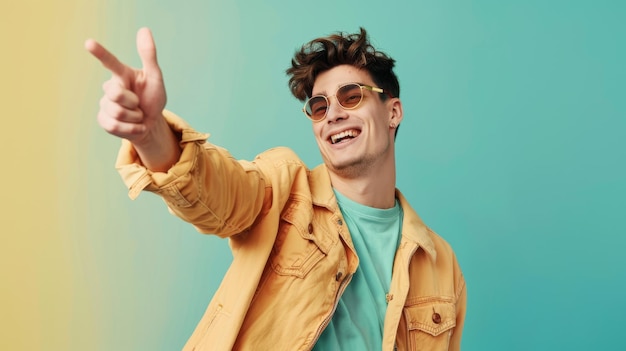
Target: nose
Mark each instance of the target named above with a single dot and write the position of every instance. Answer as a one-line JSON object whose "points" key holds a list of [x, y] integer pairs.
{"points": [[335, 112]]}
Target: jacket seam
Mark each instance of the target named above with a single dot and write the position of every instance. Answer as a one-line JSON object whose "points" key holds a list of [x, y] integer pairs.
{"points": [[461, 287]]}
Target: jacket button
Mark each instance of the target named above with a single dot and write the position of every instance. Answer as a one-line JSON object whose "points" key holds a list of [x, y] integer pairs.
{"points": [[339, 221], [436, 318], [310, 228], [338, 276]]}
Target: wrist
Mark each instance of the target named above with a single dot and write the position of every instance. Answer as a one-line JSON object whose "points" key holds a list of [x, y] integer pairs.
{"points": [[159, 149]]}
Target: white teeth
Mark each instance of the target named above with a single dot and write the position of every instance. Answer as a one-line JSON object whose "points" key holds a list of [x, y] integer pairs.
{"points": [[347, 133]]}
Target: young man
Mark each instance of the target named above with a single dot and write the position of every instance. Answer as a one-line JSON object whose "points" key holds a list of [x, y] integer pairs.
{"points": [[332, 258]]}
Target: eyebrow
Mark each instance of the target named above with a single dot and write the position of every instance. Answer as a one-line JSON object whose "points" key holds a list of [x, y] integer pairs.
{"points": [[338, 86]]}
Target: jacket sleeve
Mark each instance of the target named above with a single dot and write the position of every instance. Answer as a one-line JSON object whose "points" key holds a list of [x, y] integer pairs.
{"points": [[461, 306], [207, 187]]}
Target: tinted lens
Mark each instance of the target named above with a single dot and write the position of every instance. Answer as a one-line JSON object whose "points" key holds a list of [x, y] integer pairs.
{"points": [[316, 107], [349, 96]]}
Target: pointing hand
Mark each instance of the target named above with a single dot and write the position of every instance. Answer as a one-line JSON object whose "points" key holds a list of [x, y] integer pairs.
{"points": [[133, 99], [133, 103]]}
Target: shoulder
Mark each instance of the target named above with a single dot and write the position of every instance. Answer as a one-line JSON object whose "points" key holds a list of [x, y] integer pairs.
{"points": [[447, 262], [439, 250], [281, 167], [443, 249]]}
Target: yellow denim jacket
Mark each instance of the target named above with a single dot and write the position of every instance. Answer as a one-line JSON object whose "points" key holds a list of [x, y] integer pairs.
{"points": [[292, 252]]}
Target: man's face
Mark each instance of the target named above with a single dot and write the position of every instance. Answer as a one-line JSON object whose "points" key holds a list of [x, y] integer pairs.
{"points": [[365, 136]]}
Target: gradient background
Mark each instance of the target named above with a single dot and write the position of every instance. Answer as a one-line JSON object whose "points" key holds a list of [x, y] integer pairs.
{"points": [[512, 148]]}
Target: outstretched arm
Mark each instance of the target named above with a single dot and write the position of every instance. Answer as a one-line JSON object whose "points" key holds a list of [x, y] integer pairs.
{"points": [[133, 102]]}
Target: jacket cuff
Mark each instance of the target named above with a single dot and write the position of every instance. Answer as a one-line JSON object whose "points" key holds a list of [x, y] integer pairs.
{"points": [[137, 177]]}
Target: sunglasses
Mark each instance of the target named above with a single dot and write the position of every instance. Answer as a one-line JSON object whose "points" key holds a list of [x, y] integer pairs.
{"points": [[349, 96]]}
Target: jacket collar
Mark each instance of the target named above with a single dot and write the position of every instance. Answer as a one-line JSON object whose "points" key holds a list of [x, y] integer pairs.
{"points": [[321, 188], [413, 228]]}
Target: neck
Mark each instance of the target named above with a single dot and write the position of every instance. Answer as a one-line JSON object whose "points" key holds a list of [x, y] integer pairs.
{"points": [[375, 187]]}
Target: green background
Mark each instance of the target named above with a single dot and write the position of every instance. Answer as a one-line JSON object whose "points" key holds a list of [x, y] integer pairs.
{"points": [[512, 148]]}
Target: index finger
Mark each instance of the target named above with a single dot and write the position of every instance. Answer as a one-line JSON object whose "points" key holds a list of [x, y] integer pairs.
{"points": [[108, 60]]}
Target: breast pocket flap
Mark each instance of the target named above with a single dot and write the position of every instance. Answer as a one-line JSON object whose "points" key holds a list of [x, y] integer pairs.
{"points": [[432, 318]]}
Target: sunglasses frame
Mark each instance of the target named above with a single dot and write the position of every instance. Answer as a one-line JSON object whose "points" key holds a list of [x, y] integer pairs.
{"points": [[327, 98]]}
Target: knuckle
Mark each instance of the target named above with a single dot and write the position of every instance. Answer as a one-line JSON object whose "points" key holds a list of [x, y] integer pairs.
{"points": [[109, 124], [115, 128], [117, 95], [118, 112], [113, 110]]}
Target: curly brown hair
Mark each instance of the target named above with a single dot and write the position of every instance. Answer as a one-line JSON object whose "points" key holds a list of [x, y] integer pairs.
{"points": [[324, 53]]}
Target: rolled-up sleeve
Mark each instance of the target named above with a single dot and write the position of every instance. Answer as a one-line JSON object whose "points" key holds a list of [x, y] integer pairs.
{"points": [[206, 187]]}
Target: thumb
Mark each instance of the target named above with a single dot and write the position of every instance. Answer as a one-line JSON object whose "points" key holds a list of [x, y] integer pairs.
{"points": [[147, 52]]}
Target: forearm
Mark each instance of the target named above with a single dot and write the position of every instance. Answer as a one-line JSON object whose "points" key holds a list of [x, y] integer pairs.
{"points": [[227, 197]]}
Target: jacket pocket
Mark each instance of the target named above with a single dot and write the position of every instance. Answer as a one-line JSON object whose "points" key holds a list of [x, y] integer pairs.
{"points": [[296, 250], [430, 325]]}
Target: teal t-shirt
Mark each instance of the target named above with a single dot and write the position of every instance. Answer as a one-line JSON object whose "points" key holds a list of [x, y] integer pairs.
{"points": [[359, 318]]}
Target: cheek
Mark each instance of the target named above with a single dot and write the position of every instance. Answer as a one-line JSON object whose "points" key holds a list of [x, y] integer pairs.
{"points": [[380, 123], [317, 134]]}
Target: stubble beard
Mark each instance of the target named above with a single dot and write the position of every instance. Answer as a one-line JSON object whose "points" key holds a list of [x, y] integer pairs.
{"points": [[352, 169], [359, 167]]}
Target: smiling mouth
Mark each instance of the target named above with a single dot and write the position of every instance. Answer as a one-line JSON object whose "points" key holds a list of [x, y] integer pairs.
{"points": [[344, 136]]}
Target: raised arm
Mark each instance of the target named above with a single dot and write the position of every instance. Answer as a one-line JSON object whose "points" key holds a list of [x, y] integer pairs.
{"points": [[133, 102]]}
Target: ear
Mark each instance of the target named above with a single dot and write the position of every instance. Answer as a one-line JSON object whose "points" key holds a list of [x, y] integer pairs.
{"points": [[395, 112]]}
